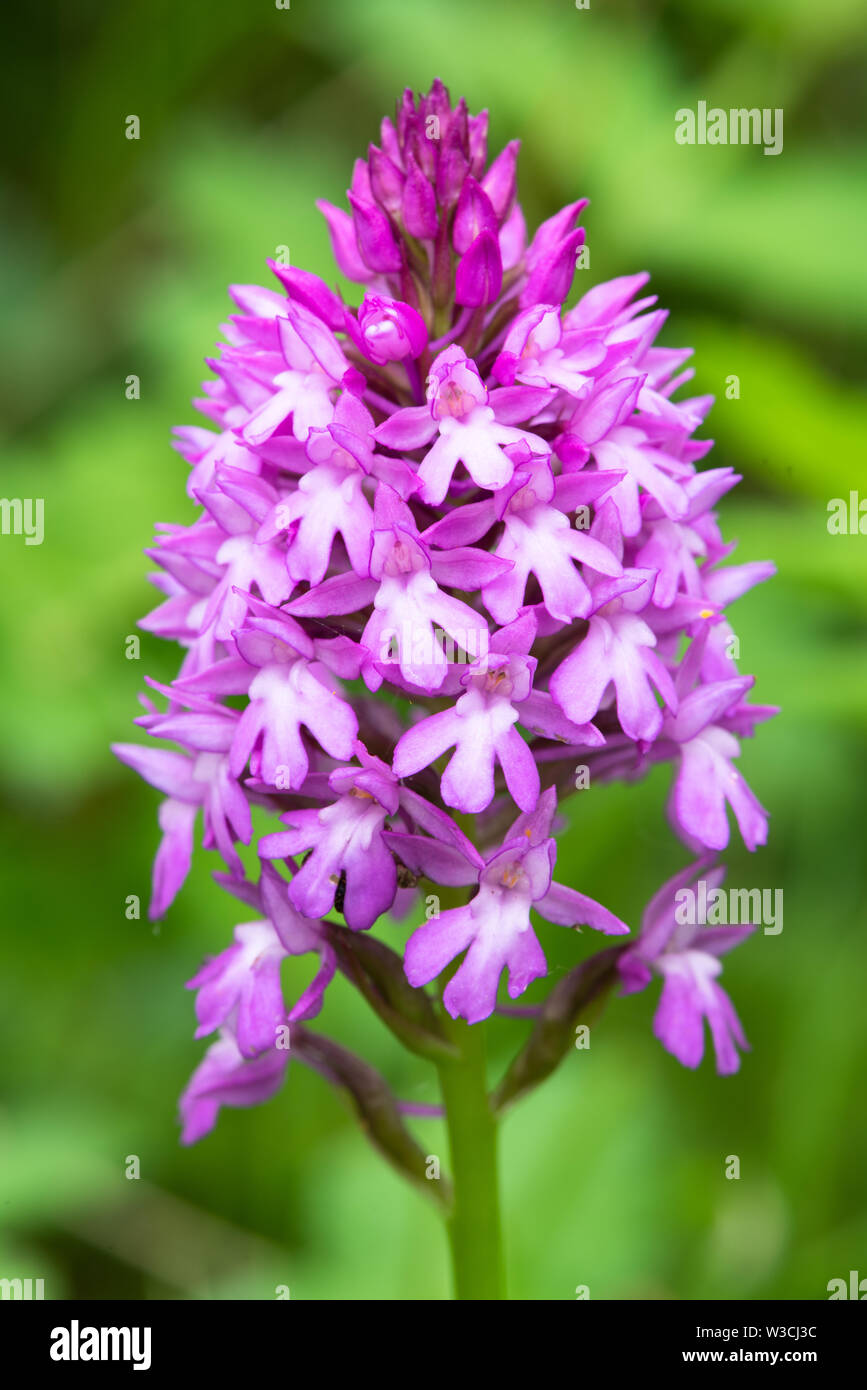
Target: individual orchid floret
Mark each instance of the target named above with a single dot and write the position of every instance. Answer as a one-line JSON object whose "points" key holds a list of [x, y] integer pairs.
{"points": [[202, 781], [479, 276], [675, 549], [474, 215], [287, 690], [375, 237], [226, 1077], [329, 499], [500, 181], [466, 430], [625, 450], [608, 403], [617, 651], [481, 729], [707, 780], [297, 935], [494, 928], [537, 353], [316, 368], [344, 246], [686, 955], [386, 179], [551, 257], [409, 606], [539, 540], [239, 502], [418, 204], [242, 986], [481, 726], [386, 330], [344, 846]]}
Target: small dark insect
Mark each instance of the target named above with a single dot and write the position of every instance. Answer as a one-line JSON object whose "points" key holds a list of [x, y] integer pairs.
{"points": [[405, 877], [340, 891]]}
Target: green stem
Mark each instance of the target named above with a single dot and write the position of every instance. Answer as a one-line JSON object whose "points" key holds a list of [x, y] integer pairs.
{"points": [[474, 1223]]}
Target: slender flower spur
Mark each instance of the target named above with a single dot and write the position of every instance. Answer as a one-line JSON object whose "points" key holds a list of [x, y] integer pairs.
{"points": [[452, 540]]}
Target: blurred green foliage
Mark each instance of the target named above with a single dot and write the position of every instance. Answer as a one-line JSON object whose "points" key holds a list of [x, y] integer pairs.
{"points": [[115, 259]]}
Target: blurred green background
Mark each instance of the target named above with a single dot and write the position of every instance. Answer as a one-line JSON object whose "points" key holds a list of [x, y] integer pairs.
{"points": [[115, 260]]}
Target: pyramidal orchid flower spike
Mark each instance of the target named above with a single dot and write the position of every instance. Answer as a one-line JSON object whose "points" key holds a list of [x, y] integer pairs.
{"points": [[453, 540]]}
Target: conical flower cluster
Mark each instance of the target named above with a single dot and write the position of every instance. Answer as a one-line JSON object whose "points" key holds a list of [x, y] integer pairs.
{"points": [[453, 546]]}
